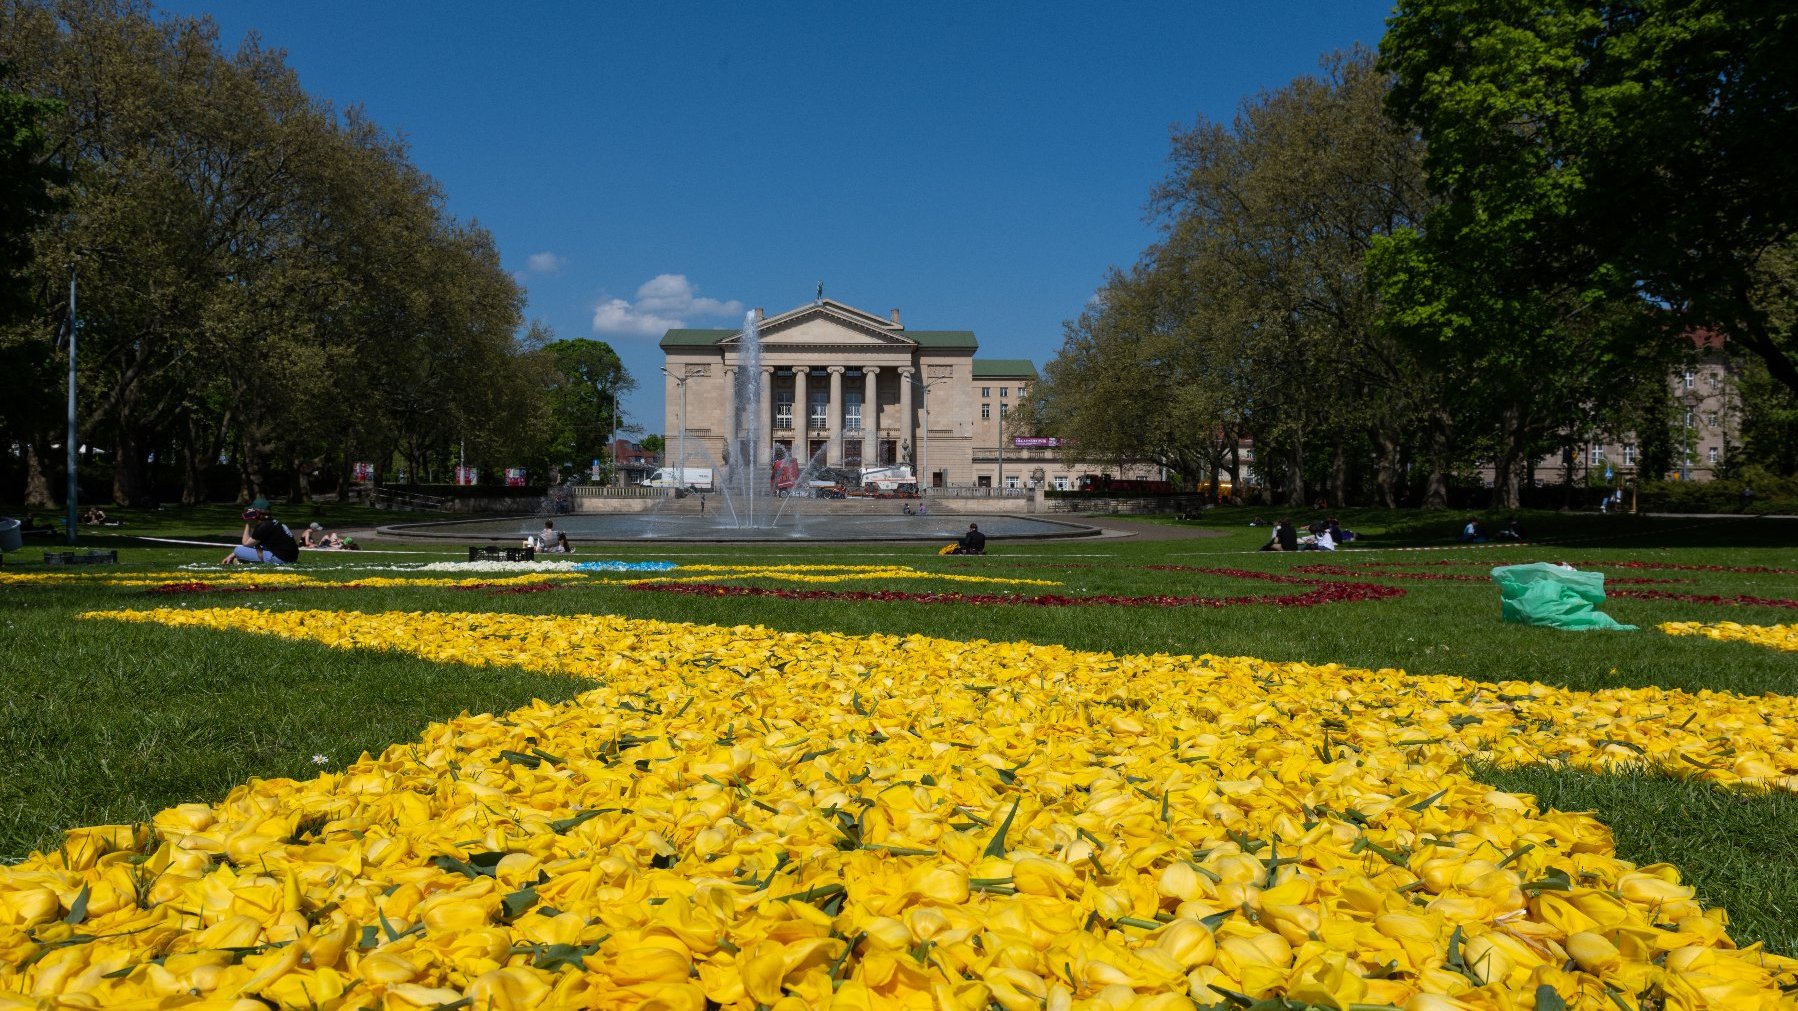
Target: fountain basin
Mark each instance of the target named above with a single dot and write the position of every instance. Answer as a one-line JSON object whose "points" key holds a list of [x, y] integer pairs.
{"points": [[591, 527]]}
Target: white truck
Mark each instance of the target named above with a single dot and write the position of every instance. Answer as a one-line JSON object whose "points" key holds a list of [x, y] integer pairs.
{"points": [[680, 477], [889, 478]]}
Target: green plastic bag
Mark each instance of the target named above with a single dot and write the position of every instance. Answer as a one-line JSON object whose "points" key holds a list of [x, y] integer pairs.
{"points": [[1554, 596]]}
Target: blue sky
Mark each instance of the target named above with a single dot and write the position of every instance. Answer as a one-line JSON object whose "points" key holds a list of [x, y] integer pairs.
{"points": [[978, 166]]}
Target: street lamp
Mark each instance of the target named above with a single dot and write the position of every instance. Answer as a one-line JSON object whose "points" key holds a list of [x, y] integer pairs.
{"points": [[924, 430], [681, 381]]}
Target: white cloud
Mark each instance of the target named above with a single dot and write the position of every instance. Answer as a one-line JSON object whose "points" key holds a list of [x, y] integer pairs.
{"points": [[664, 302], [545, 263]]}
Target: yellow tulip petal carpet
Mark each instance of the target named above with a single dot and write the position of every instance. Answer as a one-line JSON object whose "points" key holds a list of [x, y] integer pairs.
{"points": [[747, 818], [1780, 637]]}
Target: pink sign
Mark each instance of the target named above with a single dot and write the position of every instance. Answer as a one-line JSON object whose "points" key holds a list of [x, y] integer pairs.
{"points": [[1035, 441]]}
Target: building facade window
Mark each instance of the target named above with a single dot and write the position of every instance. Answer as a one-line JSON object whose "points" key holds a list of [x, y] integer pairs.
{"points": [[1710, 418], [986, 412], [1688, 419], [1004, 391], [1597, 455], [783, 408], [1691, 380], [820, 416], [986, 391], [1629, 456], [1061, 482], [1010, 481], [1711, 454], [852, 412], [1004, 409]]}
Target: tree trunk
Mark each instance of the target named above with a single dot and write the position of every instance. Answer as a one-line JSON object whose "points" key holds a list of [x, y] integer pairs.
{"points": [[1388, 472], [37, 483], [1506, 473], [128, 468], [1338, 477], [1295, 484], [1435, 492]]}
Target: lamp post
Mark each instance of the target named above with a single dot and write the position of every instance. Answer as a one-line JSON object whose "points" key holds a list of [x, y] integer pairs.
{"points": [[70, 522], [923, 431], [681, 381], [999, 482], [617, 478]]}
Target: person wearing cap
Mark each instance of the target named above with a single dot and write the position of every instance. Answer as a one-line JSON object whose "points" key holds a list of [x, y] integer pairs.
{"points": [[266, 540], [313, 536]]}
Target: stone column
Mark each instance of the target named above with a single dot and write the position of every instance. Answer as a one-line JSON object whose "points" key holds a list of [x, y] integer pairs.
{"points": [[870, 417], [757, 462], [906, 431], [802, 416], [731, 449], [834, 417]]}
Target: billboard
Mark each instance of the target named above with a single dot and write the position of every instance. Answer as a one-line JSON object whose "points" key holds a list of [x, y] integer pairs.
{"points": [[468, 475], [515, 477], [1035, 442], [363, 473]]}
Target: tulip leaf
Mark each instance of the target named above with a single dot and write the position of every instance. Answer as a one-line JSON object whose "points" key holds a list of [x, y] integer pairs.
{"points": [[556, 956], [1216, 920], [562, 825], [78, 908], [370, 937], [547, 757], [520, 758], [1430, 801], [517, 902], [1553, 880], [996, 848], [1549, 999], [1514, 854]]}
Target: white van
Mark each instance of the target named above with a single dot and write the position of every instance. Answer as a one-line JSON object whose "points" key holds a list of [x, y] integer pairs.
{"points": [[680, 477], [890, 478]]}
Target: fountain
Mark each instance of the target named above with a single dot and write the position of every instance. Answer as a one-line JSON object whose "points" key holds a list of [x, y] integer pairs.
{"points": [[765, 492]]}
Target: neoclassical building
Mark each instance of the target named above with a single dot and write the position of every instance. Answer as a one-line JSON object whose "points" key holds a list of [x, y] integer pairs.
{"points": [[864, 390]]}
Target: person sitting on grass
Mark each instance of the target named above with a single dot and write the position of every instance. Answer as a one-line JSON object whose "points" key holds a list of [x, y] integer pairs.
{"points": [[95, 516], [265, 540], [972, 543], [313, 536]]}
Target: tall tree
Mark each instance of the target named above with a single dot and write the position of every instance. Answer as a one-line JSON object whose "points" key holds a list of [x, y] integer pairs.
{"points": [[1636, 149]]}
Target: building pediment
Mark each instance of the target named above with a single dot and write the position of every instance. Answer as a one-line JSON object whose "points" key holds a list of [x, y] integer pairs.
{"points": [[828, 322]]}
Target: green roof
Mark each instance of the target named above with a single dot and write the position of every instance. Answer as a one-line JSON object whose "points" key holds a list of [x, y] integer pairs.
{"points": [[694, 338], [1004, 368], [942, 338]]}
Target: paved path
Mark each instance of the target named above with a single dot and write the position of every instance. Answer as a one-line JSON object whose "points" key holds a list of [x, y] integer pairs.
{"points": [[1144, 530]]}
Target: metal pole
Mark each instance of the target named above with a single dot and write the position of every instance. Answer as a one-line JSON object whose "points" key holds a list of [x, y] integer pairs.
{"points": [[613, 437], [71, 433], [1000, 486], [923, 438]]}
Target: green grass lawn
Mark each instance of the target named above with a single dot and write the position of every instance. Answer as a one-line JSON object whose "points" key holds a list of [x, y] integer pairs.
{"points": [[109, 722]]}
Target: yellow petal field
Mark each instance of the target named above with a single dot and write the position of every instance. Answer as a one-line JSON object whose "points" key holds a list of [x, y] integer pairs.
{"points": [[746, 818], [1781, 637], [692, 573]]}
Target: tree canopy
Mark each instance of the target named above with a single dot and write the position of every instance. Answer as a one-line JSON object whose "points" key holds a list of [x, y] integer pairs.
{"points": [[270, 290]]}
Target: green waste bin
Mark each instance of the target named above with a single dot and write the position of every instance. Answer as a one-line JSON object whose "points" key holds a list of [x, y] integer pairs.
{"points": [[1554, 596]]}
